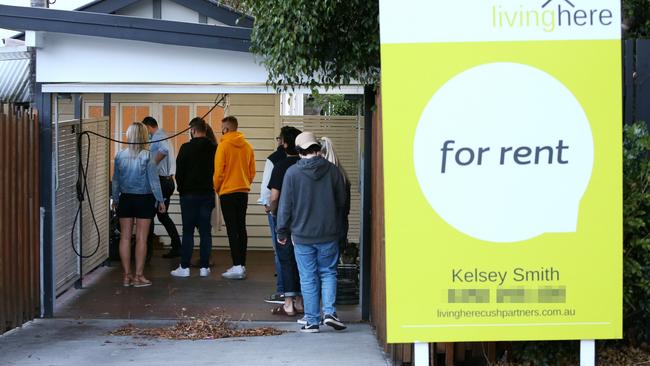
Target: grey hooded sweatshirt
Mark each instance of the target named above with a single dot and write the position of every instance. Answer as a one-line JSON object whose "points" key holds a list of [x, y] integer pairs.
{"points": [[312, 200]]}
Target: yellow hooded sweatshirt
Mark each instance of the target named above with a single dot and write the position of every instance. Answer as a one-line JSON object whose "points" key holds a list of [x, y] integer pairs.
{"points": [[234, 164]]}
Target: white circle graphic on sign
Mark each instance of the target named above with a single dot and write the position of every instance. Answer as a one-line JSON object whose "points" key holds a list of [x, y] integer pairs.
{"points": [[503, 152]]}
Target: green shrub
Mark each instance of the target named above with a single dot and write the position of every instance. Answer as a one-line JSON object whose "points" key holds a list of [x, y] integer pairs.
{"points": [[636, 232]]}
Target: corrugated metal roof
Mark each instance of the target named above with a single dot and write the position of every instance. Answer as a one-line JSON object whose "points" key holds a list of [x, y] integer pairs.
{"points": [[14, 75]]}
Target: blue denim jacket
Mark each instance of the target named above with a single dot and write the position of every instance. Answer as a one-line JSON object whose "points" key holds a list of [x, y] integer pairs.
{"points": [[136, 175]]}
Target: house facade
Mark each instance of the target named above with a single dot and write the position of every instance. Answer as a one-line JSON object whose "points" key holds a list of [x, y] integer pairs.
{"points": [[111, 63]]}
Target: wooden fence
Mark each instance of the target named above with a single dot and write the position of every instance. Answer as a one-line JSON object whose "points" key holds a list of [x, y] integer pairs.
{"points": [[19, 218], [345, 132]]}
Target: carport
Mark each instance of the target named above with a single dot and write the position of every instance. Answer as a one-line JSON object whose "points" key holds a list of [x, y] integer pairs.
{"points": [[107, 69]]}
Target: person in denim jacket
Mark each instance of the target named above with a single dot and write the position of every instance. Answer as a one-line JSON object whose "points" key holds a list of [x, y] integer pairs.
{"points": [[136, 195]]}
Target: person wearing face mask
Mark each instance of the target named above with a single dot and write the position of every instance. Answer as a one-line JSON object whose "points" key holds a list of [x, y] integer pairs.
{"points": [[234, 171], [265, 199], [293, 302], [163, 154], [194, 170]]}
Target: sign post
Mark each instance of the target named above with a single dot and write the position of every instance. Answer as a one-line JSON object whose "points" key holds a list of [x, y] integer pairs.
{"points": [[587, 353], [502, 169], [421, 354]]}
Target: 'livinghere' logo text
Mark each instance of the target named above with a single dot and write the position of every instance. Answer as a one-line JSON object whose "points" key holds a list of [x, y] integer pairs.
{"points": [[549, 17]]}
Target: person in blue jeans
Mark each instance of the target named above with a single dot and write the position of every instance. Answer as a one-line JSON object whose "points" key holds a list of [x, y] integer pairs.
{"points": [[265, 200], [311, 205], [136, 196], [163, 154], [293, 303], [194, 170]]}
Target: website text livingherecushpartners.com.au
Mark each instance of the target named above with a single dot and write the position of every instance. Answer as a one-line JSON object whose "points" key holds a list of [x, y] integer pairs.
{"points": [[500, 313]]}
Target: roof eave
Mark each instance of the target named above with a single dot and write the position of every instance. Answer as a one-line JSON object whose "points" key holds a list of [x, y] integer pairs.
{"points": [[123, 27]]}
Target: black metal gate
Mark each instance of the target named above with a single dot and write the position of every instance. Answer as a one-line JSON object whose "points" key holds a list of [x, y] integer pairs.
{"points": [[636, 80]]}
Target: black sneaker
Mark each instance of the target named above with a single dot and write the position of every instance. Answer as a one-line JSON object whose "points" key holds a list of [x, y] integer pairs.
{"points": [[172, 254], [310, 328], [276, 298], [334, 322]]}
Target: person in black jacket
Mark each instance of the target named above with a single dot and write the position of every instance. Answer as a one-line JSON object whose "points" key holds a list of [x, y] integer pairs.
{"points": [[293, 303], [194, 171]]}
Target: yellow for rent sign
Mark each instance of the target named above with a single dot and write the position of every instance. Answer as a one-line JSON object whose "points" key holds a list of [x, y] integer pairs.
{"points": [[502, 169]]}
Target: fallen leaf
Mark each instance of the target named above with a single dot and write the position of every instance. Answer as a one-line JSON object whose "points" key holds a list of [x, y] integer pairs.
{"points": [[209, 326]]}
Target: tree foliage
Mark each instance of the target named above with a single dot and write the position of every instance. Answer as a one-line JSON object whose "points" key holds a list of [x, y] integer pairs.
{"points": [[636, 232], [332, 105], [316, 43], [636, 18], [333, 42]]}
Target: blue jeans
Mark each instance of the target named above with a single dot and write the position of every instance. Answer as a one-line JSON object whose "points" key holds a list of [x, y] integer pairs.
{"points": [[196, 210], [279, 285], [290, 276], [317, 267]]}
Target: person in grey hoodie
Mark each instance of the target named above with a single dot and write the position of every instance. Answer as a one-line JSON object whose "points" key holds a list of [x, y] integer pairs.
{"points": [[311, 204]]}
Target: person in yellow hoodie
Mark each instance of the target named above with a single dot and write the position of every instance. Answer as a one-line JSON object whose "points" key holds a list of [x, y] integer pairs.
{"points": [[234, 171]]}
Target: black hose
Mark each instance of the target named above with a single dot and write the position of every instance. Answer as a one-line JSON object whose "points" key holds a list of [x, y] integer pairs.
{"points": [[82, 188]]}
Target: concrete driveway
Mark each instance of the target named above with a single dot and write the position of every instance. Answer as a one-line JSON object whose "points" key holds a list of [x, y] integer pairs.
{"points": [[87, 342]]}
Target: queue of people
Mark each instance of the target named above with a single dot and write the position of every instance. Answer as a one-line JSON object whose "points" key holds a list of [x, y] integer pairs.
{"points": [[305, 192], [307, 197]]}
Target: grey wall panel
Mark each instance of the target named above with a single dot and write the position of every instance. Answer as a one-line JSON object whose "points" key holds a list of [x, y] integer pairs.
{"points": [[66, 263], [98, 171]]}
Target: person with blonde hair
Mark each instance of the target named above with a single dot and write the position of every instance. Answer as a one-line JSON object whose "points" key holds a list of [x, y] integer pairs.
{"points": [[329, 153], [136, 196]]}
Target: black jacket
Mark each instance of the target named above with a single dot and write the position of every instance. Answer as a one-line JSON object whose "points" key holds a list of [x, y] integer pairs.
{"points": [[195, 167]]}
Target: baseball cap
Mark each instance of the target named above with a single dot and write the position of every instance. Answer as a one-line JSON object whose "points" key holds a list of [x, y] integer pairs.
{"points": [[306, 139]]}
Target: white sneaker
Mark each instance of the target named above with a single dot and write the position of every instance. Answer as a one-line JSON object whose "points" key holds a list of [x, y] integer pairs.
{"points": [[229, 270], [235, 273], [181, 272], [204, 272]]}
